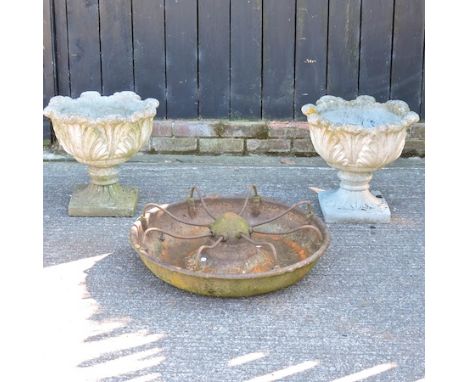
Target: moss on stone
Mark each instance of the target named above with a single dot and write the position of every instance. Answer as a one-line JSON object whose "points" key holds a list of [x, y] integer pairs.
{"points": [[219, 128], [262, 132], [230, 226]]}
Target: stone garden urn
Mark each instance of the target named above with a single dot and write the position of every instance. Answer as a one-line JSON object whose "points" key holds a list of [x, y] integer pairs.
{"points": [[102, 132], [357, 137]]}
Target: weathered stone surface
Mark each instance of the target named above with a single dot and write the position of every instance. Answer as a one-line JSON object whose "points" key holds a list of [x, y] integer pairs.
{"points": [[103, 132], [261, 130], [162, 128], [357, 137], [414, 147], [417, 131], [379, 213], [111, 200], [268, 145], [302, 146], [94, 133], [288, 129], [241, 129], [183, 128], [174, 145], [221, 145]]}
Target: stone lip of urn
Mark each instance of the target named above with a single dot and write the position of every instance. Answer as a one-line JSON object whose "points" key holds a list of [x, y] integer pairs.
{"points": [[357, 137], [102, 132]]}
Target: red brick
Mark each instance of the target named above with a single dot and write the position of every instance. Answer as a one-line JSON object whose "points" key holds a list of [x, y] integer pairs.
{"points": [[241, 129], [288, 129], [268, 145], [162, 128], [174, 145], [221, 145], [192, 129], [302, 146], [417, 131], [414, 147]]}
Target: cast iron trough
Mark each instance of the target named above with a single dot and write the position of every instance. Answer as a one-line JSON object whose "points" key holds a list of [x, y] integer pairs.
{"points": [[229, 247]]}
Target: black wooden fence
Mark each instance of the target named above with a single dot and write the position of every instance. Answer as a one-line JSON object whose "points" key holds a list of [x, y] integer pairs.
{"points": [[247, 59]]}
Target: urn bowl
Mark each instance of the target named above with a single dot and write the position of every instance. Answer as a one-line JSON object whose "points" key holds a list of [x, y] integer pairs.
{"points": [[357, 137], [102, 132], [360, 135]]}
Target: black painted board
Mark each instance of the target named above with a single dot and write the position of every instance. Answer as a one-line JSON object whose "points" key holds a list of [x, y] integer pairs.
{"points": [[246, 59], [343, 48], [116, 45], [47, 131], [423, 91], [311, 53], [213, 58], [83, 45], [48, 74], [408, 42], [181, 59], [278, 59], [48, 53], [149, 51], [61, 47], [376, 48]]}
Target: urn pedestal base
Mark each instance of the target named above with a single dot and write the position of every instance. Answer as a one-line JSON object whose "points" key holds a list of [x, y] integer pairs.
{"points": [[379, 213], [357, 137], [353, 202], [103, 200]]}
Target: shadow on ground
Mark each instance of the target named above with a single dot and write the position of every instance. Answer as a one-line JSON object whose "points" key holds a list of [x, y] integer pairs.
{"points": [[359, 313]]}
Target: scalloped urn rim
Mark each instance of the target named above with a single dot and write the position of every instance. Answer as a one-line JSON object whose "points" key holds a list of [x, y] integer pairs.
{"points": [[102, 132], [113, 131], [328, 103], [357, 141], [353, 146], [141, 108]]}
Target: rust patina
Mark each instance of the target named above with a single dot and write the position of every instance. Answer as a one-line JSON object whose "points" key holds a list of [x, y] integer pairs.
{"points": [[229, 247]]}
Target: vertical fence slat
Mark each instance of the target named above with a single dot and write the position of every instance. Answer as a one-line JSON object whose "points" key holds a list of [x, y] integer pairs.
{"points": [[48, 53], [84, 48], [213, 56], [246, 58], [423, 92], [116, 45], [278, 59], [48, 78], [61, 47], [181, 59], [149, 51], [343, 48], [408, 42], [376, 48], [311, 52], [245, 61]]}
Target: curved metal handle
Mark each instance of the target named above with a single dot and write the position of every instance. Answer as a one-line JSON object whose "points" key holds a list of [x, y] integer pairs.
{"points": [[256, 198], [282, 213]]}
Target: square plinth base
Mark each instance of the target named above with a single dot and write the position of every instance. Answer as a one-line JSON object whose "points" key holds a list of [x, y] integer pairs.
{"points": [[332, 214], [111, 200]]}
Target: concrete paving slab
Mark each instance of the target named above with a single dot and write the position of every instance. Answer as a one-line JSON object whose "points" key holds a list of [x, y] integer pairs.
{"points": [[359, 313]]}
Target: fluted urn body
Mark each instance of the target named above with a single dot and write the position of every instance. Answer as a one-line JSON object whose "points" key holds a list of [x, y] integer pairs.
{"points": [[357, 137], [102, 132]]}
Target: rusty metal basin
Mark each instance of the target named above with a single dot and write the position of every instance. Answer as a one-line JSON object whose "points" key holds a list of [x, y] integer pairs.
{"points": [[229, 247]]}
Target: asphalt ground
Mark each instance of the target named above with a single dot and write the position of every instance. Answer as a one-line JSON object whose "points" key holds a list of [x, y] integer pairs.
{"points": [[359, 314]]}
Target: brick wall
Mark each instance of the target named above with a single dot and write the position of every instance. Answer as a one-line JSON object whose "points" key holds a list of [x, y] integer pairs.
{"points": [[210, 137], [242, 138]]}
